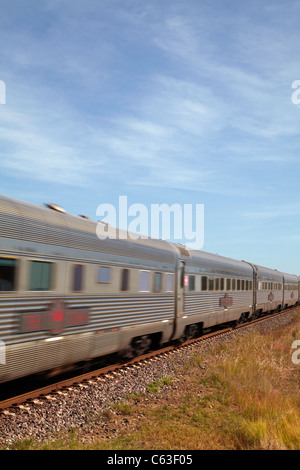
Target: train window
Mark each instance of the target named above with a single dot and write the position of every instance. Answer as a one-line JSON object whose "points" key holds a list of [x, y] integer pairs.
{"points": [[7, 274], [222, 283], [204, 283], [104, 274], [40, 275], [124, 279], [169, 282], [157, 282], [228, 284], [77, 277], [191, 282], [250, 285], [211, 283], [217, 283], [243, 284], [233, 284], [145, 281], [238, 284], [247, 285]]}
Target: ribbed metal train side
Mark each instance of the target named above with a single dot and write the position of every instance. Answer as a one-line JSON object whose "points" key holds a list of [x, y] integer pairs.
{"points": [[104, 320], [223, 303], [113, 321], [74, 319], [290, 292]]}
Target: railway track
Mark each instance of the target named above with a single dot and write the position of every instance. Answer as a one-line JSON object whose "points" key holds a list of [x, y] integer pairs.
{"points": [[82, 381]]}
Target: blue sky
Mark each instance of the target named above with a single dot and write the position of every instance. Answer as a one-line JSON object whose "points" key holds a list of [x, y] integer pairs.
{"points": [[164, 102]]}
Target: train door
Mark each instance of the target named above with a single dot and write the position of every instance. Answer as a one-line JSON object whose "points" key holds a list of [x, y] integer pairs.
{"points": [[180, 289], [255, 285], [254, 288], [179, 300]]}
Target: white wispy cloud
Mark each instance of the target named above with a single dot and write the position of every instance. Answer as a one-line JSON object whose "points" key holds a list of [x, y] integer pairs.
{"points": [[179, 121], [45, 146], [273, 212]]}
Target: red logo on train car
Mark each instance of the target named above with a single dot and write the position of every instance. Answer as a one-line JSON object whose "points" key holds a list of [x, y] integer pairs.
{"points": [[226, 301], [56, 317], [271, 296], [292, 295], [54, 320], [32, 322]]}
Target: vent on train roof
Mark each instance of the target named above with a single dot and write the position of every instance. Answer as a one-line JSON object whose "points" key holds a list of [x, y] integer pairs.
{"points": [[55, 207], [84, 216]]}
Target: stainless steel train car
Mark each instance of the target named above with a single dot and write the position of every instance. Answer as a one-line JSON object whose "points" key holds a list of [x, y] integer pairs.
{"points": [[217, 290], [290, 290], [67, 297], [269, 289]]}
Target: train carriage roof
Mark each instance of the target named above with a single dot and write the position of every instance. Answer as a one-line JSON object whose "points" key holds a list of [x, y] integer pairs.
{"points": [[32, 223], [268, 274], [290, 278], [208, 262]]}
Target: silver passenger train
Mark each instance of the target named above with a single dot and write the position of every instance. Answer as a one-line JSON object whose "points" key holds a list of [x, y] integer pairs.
{"points": [[67, 297]]}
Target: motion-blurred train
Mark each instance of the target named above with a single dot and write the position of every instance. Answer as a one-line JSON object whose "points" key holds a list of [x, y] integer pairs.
{"points": [[67, 297]]}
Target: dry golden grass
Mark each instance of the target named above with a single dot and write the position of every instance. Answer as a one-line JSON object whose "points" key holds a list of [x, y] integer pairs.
{"points": [[247, 397]]}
